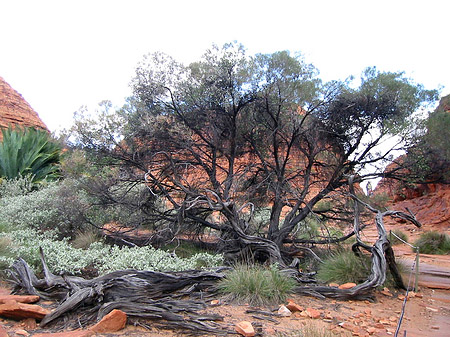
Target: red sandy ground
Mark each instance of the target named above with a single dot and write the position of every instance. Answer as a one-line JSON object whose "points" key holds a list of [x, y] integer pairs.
{"points": [[427, 315]]}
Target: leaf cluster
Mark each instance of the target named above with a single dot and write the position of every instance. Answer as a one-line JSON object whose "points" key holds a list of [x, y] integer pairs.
{"points": [[29, 152]]}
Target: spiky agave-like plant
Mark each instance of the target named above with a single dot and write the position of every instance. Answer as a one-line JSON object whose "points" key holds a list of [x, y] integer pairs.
{"points": [[29, 152]]}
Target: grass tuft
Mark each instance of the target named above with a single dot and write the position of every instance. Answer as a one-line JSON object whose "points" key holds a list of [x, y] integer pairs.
{"points": [[257, 285], [313, 330], [344, 266], [84, 239], [433, 243]]}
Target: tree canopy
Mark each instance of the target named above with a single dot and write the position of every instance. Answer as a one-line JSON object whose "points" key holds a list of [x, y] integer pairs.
{"points": [[219, 139]]}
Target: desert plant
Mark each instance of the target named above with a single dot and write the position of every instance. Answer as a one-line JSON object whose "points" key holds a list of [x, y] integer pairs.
{"points": [[16, 186], [398, 233], [29, 151], [257, 285], [84, 239], [312, 330], [183, 249], [62, 257], [433, 243], [344, 266]]}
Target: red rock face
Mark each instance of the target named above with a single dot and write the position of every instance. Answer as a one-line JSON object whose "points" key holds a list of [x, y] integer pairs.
{"points": [[430, 203], [14, 110]]}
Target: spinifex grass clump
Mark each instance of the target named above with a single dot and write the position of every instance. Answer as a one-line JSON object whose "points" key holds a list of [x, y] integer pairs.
{"points": [[344, 266], [433, 243], [257, 285]]}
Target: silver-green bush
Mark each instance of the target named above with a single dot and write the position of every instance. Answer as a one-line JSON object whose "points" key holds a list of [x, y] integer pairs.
{"points": [[64, 258]]}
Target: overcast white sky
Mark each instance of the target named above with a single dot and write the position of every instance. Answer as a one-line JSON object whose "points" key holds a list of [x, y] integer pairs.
{"points": [[63, 54]]}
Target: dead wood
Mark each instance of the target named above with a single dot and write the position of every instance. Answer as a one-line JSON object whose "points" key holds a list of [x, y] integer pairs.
{"points": [[141, 294], [382, 255]]}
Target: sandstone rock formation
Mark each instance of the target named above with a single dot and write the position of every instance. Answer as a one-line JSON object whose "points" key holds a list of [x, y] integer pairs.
{"points": [[429, 202], [15, 110]]}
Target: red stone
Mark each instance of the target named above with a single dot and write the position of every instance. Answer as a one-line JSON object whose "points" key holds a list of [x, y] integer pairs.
{"points": [[75, 333], [19, 298], [3, 332], [245, 329], [29, 323], [312, 313], [293, 307], [114, 321], [12, 309], [347, 285]]}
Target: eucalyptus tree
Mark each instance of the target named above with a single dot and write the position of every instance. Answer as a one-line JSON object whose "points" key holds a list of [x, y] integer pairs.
{"points": [[230, 133]]}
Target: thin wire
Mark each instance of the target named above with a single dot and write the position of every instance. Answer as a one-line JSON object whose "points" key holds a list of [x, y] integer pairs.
{"points": [[407, 289]]}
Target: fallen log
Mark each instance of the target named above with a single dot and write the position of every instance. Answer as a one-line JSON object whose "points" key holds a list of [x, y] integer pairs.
{"points": [[140, 294]]}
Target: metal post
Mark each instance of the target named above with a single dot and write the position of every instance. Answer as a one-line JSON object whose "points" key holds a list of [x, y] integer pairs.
{"points": [[416, 283]]}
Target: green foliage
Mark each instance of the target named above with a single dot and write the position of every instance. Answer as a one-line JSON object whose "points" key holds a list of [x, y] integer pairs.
{"points": [[257, 285], [309, 229], [201, 120], [70, 205], [433, 243], [56, 205], [15, 187], [30, 152], [344, 266], [183, 249], [402, 235], [62, 257]]}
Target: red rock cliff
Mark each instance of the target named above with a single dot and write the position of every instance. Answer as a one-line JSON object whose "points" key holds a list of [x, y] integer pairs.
{"points": [[14, 110], [429, 202]]}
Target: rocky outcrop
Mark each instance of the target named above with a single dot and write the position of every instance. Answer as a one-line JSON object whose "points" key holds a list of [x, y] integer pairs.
{"points": [[15, 110], [429, 202]]}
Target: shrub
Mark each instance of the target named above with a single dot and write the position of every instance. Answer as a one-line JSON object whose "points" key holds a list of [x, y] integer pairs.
{"points": [[184, 249], [433, 243], [57, 205], [15, 187], [62, 257], [29, 151], [394, 240], [309, 228], [63, 205], [257, 285]]}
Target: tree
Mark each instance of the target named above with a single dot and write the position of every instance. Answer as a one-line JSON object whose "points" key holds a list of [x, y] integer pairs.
{"points": [[428, 157], [29, 151], [231, 133]]}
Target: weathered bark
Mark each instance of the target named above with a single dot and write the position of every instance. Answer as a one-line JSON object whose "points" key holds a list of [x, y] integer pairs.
{"points": [[141, 294], [381, 253]]}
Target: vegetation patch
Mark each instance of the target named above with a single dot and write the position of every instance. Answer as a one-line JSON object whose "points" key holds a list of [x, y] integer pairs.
{"points": [[344, 266], [312, 330], [62, 257], [257, 285], [433, 243]]}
